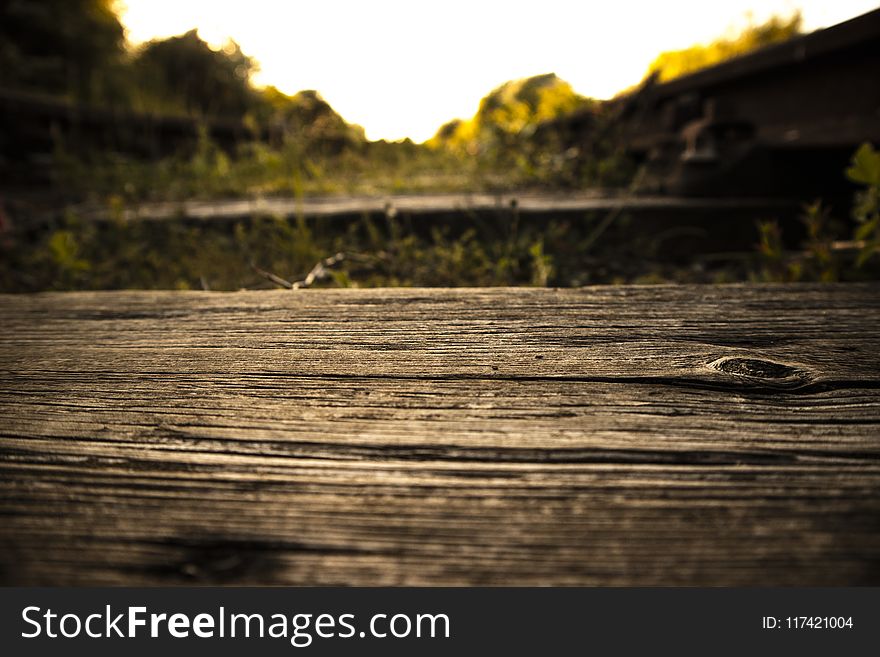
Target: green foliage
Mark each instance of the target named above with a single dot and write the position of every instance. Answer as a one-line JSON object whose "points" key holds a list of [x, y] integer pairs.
{"points": [[559, 156], [507, 116], [177, 255], [541, 264], [184, 73], [502, 247], [488, 250], [774, 267], [673, 64], [865, 167], [66, 265], [295, 144], [821, 260], [305, 119], [520, 105], [818, 260], [71, 48], [518, 138], [865, 170], [300, 164]]}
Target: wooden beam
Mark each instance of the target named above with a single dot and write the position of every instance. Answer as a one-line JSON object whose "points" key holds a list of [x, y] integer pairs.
{"points": [[604, 436]]}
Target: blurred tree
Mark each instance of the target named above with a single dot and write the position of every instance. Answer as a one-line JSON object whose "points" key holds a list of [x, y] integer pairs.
{"points": [[675, 63], [185, 73], [508, 114], [306, 118], [72, 48]]}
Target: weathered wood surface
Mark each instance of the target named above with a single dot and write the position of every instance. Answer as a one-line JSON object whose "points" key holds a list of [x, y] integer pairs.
{"points": [[443, 204], [671, 435]]}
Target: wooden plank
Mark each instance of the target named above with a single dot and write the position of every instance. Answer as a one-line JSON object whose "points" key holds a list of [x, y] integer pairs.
{"points": [[525, 203], [617, 435]]}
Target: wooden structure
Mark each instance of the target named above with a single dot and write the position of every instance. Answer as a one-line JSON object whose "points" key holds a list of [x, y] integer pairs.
{"points": [[784, 119], [600, 436], [447, 207]]}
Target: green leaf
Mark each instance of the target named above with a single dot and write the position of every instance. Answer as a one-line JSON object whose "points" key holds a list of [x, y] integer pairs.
{"points": [[865, 230], [865, 166], [870, 249]]}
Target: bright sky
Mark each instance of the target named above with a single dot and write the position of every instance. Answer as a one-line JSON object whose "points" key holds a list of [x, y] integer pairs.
{"points": [[402, 68]]}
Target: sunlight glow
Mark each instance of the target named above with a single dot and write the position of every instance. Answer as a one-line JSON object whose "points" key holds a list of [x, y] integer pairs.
{"points": [[403, 68]]}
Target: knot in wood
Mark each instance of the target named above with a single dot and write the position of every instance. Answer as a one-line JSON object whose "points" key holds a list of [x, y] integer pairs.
{"points": [[759, 369], [762, 370], [219, 560]]}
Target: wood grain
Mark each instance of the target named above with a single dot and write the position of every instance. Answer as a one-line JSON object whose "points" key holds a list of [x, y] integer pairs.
{"points": [[604, 436], [433, 204]]}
